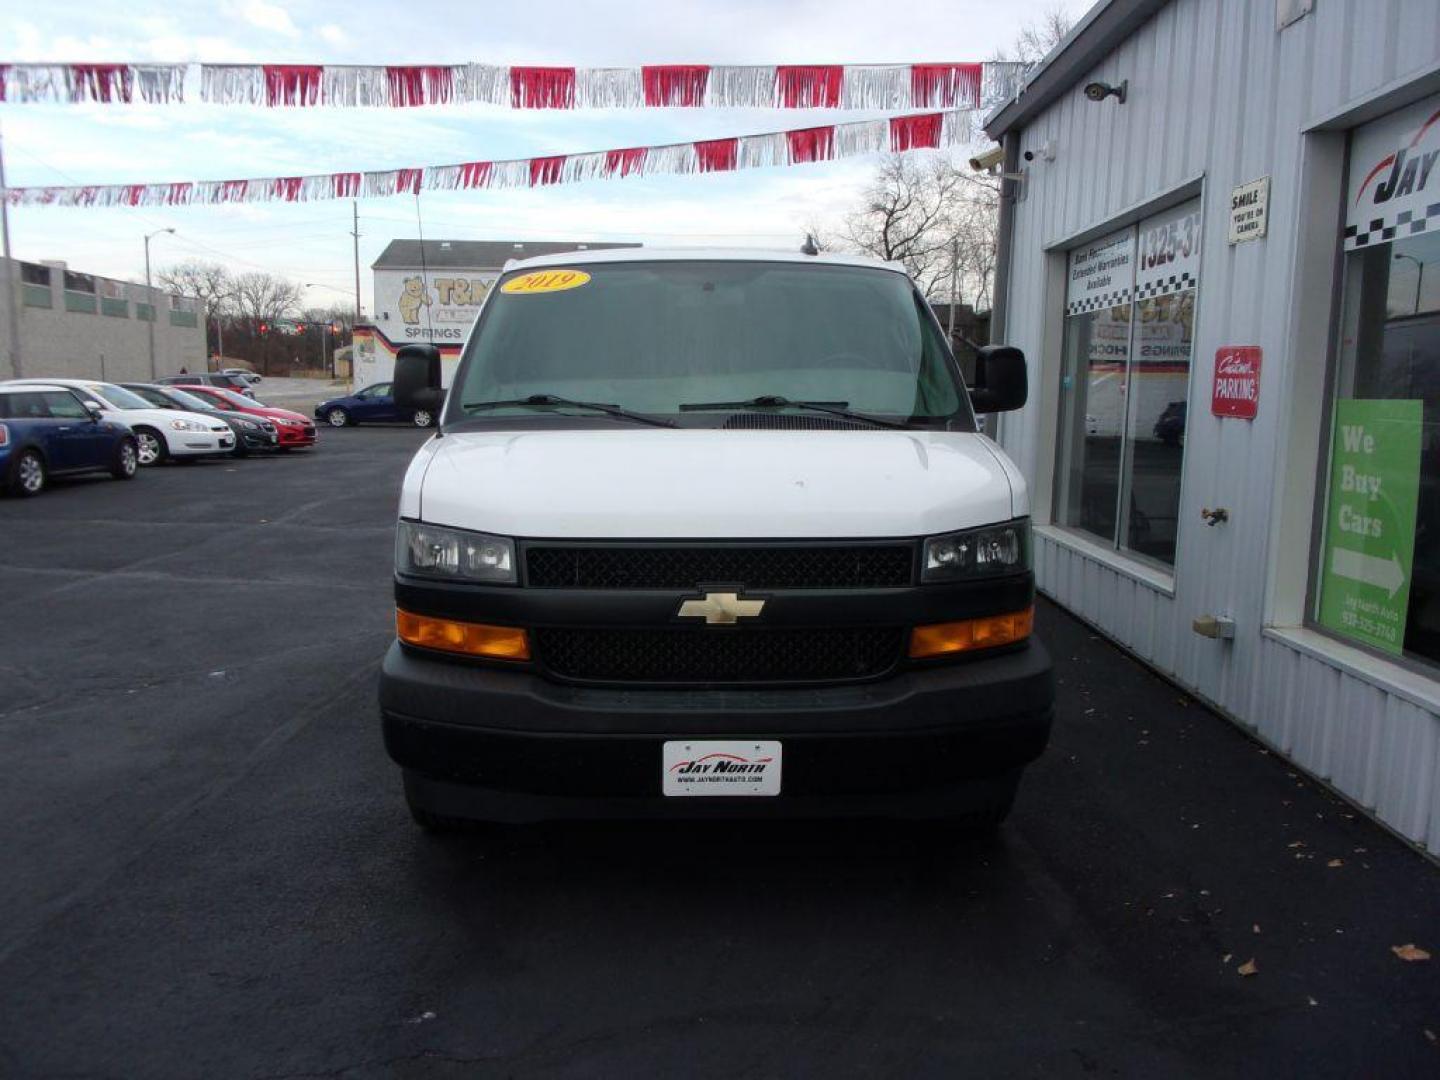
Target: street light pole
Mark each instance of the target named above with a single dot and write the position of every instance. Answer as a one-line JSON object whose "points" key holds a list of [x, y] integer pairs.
{"points": [[150, 299], [355, 233]]}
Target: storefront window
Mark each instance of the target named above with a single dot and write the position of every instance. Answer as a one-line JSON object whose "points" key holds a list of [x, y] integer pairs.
{"points": [[1378, 569], [1129, 336]]}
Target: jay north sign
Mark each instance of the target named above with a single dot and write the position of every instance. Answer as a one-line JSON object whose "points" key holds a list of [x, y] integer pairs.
{"points": [[1394, 181]]}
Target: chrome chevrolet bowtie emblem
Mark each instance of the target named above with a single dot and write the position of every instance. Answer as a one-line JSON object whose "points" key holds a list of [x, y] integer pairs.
{"points": [[720, 607]]}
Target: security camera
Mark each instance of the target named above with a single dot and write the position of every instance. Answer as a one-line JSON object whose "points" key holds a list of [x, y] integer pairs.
{"points": [[1029, 155], [1099, 91], [989, 161]]}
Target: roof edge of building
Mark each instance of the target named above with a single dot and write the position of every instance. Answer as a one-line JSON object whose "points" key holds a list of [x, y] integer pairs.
{"points": [[1098, 33]]}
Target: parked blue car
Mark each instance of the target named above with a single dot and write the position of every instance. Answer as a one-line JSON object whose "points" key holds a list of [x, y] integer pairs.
{"points": [[373, 404], [51, 431]]}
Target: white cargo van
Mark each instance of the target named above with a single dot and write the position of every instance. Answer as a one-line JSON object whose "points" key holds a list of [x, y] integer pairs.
{"points": [[711, 533]]}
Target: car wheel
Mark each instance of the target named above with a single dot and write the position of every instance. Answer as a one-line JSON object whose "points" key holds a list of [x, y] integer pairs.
{"points": [[29, 475], [150, 446], [127, 461], [423, 418], [338, 417]]}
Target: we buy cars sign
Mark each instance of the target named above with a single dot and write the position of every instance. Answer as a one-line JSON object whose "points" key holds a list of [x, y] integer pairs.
{"points": [[1236, 391]]}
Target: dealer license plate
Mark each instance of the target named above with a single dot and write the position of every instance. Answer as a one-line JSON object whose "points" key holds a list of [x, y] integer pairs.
{"points": [[721, 767]]}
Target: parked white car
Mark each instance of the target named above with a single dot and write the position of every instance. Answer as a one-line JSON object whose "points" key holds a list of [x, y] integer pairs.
{"points": [[159, 433], [249, 376]]}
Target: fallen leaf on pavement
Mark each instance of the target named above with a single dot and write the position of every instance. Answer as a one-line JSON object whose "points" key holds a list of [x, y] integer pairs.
{"points": [[1226, 958], [1248, 968], [1333, 863], [1410, 952], [1256, 928], [1311, 1000], [1297, 843], [1430, 1035]]}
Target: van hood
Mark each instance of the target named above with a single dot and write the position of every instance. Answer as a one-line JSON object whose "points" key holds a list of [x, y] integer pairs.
{"points": [[661, 484]]}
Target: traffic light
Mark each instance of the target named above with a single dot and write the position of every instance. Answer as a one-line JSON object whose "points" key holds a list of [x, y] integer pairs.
{"points": [[264, 328]]}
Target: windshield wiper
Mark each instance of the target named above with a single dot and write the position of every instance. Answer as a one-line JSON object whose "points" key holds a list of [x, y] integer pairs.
{"points": [[550, 401], [772, 401]]}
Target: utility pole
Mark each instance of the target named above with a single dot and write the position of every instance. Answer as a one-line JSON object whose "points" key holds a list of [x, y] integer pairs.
{"points": [[355, 232], [12, 309]]}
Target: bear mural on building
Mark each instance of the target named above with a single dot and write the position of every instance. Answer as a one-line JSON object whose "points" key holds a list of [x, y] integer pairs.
{"points": [[413, 296]]}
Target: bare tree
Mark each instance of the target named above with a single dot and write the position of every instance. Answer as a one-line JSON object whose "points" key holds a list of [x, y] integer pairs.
{"points": [[211, 282], [935, 215], [911, 213], [1034, 42], [262, 298]]}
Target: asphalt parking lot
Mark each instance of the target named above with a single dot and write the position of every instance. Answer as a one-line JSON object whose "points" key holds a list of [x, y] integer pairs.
{"points": [[208, 870]]}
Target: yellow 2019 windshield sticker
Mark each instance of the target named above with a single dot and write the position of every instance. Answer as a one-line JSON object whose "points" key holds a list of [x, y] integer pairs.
{"points": [[543, 281]]}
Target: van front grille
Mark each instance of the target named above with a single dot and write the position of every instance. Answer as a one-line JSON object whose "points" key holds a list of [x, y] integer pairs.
{"points": [[718, 655], [666, 566]]}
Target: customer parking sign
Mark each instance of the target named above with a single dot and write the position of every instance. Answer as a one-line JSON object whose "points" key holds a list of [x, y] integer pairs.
{"points": [[1370, 523]]}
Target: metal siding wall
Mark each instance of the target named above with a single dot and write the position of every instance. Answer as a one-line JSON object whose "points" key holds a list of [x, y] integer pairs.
{"points": [[1212, 90]]}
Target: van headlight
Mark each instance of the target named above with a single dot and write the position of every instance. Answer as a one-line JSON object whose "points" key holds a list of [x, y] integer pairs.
{"points": [[992, 550], [456, 554]]}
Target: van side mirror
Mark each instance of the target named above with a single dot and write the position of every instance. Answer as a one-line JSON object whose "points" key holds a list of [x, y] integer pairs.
{"points": [[417, 379], [1001, 381], [93, 408]]}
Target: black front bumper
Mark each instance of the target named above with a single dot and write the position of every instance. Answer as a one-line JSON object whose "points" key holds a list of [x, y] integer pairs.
{"points": [[510, 745]]}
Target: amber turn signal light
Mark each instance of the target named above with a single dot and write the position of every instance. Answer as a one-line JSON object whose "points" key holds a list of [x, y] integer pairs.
{"points": [[946, 638], [470, 639]]}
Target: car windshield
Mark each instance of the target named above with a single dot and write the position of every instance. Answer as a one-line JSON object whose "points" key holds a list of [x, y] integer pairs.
{"points": [[191, 401], [235, 399], [118, 397], [652, 337]]}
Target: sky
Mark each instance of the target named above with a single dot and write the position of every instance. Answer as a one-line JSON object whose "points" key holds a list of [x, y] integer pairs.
{"points": [[310, 242]]}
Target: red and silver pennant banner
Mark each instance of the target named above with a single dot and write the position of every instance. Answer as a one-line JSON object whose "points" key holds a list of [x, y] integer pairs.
{"points": [[654, 86], [74, 83], [799, 86], [799, 146]]}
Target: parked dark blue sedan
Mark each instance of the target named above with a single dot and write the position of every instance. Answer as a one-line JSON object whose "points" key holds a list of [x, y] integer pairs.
{"points": [[50, 431], [374, 403]]}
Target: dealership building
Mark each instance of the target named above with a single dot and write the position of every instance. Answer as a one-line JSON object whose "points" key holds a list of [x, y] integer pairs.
{"points": [[428, 292], [1220, 252], [83, 326]]}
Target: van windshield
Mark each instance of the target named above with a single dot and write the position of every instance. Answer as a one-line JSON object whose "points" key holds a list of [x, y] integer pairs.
{"points": [[651, 337]]}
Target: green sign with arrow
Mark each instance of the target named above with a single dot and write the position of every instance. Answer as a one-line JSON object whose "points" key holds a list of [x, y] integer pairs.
{"points": [[1370, 523]]}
